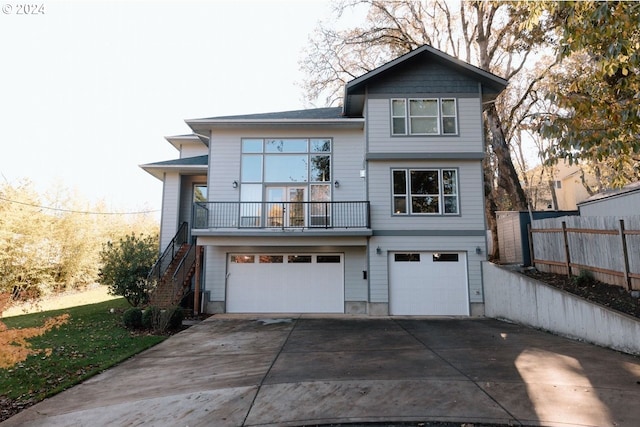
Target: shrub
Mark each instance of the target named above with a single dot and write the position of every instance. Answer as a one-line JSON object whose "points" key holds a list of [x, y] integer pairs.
{"points": [[585, 278], [125, 265], [176, 316], [132, 318], [150, 316]]}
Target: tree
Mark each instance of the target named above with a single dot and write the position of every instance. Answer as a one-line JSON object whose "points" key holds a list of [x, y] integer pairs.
{"points": [[126, 264], [597, 119], [491, 35]]}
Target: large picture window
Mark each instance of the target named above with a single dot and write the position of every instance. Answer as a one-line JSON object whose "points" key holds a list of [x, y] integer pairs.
{"points": [[425, 191], [424, 116]]}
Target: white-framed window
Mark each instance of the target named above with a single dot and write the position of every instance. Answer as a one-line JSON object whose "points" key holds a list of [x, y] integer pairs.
{"points": [[425, 191], [424, 116]]}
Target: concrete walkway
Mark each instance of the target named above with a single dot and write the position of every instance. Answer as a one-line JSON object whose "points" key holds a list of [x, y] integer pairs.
{"points": [[234, 371]]}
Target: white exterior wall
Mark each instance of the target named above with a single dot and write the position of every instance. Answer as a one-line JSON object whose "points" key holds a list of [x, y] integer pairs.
{"points": [[170, 208], [193, 150], [469, 138]]}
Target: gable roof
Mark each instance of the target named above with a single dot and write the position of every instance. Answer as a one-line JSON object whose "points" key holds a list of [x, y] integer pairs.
{"points": [[354, 91]]}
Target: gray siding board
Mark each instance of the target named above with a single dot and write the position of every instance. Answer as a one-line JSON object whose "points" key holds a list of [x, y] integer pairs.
{"points": [[424, 75], [471, 194], [624, 204], [186, 195], [468, 140]]}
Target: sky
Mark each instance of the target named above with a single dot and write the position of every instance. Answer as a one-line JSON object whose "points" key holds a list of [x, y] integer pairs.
{"points": [[89, 89]]}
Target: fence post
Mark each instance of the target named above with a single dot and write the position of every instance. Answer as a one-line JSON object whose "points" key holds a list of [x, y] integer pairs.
{"points": [[566, 248], [531, 255], [625, 254]]}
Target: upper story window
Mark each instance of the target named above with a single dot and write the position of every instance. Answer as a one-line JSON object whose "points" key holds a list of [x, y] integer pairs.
{"points": [[425, 191], [424, 116]]}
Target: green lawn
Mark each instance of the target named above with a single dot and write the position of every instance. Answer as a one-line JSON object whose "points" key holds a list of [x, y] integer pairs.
{"points": [[92, 341]]}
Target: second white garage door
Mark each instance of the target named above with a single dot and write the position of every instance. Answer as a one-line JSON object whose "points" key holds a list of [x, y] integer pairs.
{"points": [[428, 283], [285, 283]]}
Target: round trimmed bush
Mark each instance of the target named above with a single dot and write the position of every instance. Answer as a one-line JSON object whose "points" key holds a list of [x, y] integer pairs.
{"points": [[132, 318], [177, 316], [150, 317]]}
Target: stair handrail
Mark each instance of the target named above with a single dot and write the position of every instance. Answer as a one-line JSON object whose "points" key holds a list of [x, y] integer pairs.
{"points": [[182, 272], [163, 262]]}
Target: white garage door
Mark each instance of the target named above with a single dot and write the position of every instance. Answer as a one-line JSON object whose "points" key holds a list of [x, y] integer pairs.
{"points": [[428, 283], [285, 283]]}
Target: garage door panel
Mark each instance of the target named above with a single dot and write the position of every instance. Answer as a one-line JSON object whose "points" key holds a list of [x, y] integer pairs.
{"points": [[428, 283], [286, 287]]}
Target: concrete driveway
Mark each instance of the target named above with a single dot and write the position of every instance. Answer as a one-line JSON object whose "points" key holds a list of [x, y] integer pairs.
{"points": [[237, 371]]}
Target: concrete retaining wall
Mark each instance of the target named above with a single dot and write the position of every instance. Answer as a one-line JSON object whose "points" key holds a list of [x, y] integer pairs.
{"points": [[518, 298]]}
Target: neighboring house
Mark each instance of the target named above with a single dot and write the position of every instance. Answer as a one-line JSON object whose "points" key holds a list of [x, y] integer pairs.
{"points": [[567, 185], [624, 201], [376, 207]]}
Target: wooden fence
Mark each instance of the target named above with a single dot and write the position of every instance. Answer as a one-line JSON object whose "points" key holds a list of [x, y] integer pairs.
{"points": [[608, 247]]}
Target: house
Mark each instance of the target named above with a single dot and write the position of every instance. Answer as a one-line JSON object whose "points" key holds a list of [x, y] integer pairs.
{"points": [[624, 201], [565, 182], [376, 207]]}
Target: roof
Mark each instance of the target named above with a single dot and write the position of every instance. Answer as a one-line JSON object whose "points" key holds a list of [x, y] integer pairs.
{"points": [[629, 188], [179, 140], [331, 116], [185, 165], [354, 90]]}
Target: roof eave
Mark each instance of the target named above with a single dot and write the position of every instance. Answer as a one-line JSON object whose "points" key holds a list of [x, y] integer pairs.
{"points": [[200, 125], [158, 171]]}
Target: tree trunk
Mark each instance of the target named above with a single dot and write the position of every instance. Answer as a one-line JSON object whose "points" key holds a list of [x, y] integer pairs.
{"points": [[506, 172]]}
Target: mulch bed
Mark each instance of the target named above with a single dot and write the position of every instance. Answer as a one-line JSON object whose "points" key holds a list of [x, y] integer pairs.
{"points": [[610, 296]]}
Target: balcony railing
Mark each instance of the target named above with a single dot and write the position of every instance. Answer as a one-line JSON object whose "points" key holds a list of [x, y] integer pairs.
{"points": [[281, 215]]}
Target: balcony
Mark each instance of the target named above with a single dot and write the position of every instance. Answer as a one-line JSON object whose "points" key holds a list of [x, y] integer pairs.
{"points": [[281, 216]]}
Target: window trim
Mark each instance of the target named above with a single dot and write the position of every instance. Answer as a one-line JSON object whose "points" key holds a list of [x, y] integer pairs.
{"points": [[439, 118], [441, 193]]}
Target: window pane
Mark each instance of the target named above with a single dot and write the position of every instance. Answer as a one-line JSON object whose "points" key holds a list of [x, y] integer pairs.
{"points": [[400, 205], [320, 145], [252, 146], [424, 182], [398, 108], [286, 146], [243, 259], [451, 204], [251, 168], [200, 193], [449, 125], [424, 125], [448, 107], [320, 168], [422, 205], [399, 127], [406, 257], [399, 182], [445, 257], [449, 182], [285, 168], [328, 259], [297, 259], [271, 259], [423, 107], [320, 193]]}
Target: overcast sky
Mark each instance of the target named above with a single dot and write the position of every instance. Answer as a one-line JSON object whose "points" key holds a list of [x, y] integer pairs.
{"points": [[89, 89]]}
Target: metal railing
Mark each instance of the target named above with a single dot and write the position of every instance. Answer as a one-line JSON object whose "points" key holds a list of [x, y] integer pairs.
{"points": [[161, 265], [282, 215]]}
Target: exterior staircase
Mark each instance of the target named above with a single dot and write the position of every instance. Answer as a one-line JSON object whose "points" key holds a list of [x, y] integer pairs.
{"points": [[173, 271]]}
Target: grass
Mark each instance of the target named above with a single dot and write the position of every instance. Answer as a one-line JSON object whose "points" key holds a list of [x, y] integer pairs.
{"points": [[92, 341]]}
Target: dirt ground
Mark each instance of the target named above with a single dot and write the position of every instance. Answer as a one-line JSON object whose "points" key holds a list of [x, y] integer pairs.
{"points": [[91, 295]]}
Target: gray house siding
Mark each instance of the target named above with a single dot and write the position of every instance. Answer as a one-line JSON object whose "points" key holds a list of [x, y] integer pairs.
{"points": [[471, 201], [625, 204], [468, 140], [170, 208], [186, 195], [424, 75]]}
